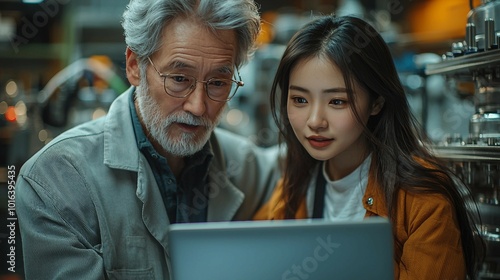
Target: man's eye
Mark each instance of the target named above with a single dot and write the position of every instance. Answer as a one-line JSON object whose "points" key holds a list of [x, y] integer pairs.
{"points": [[179, 79], [218, 83]]}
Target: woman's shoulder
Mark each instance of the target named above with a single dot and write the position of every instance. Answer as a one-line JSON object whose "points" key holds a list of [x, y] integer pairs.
{"points": [[421, 206], [274, 208]]}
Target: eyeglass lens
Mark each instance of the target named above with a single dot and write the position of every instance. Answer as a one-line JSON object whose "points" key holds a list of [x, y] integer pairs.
{"points": [[180, 85]]}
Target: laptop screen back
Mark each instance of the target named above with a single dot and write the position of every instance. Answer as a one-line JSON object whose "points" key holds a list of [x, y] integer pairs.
{"points": [[287, 250]]}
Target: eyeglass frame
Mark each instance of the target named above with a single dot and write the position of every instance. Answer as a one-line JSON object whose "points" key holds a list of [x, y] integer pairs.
{"points": [[239, 84]]}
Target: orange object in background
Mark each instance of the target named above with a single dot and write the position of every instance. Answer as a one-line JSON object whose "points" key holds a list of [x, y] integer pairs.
{"points": [[266, 34], [10, 114], [10, 277], [439, 20]]}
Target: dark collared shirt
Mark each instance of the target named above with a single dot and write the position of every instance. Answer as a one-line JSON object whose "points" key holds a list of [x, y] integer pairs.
{"points": [[185, 200]]}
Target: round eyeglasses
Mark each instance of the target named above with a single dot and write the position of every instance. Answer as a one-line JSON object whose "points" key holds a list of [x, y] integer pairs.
{"points": [[181, 85]]}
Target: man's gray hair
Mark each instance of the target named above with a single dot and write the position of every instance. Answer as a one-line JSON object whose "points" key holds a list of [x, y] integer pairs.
{"points": [[144, 20]]}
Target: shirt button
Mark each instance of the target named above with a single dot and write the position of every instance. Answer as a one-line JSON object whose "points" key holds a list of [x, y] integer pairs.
{"points": [[369, 201]]}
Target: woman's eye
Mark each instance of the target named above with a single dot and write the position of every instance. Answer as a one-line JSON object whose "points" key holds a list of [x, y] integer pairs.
{"points": [[299, 100], [337, 102]]}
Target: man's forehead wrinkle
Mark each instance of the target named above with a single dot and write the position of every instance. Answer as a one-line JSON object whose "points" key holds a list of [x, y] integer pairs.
{"points": [[178, 64]]}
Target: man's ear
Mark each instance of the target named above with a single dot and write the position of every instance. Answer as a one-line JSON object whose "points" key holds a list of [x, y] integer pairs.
{"points": [[132, 67], [377, 105]]}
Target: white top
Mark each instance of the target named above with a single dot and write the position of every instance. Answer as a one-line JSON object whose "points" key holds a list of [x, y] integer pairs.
{"points": [[344, 197]]}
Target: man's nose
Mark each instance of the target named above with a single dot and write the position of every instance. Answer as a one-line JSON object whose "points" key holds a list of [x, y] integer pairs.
{"points": [[196, 102]]}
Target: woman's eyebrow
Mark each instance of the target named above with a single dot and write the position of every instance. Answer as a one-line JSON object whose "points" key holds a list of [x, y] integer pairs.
{"points": [[335, 90], [329, 90]]}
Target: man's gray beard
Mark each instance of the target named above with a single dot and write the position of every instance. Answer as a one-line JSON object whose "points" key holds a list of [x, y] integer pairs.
{"points": [[181, 144]]}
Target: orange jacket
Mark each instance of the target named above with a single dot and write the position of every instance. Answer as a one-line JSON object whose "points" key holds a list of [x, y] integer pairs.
{"points": [[425, 226]]}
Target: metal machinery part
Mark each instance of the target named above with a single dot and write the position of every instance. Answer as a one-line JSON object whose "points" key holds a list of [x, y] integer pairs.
{"points": [[476, 157]]}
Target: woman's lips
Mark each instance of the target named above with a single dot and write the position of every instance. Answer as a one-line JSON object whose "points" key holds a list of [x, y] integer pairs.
{"points": [[319, 142]]}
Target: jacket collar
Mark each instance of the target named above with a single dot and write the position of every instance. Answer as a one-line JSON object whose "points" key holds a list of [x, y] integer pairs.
{"points": [[120, 147], [121, 152], [224, 199], [373, 199]]}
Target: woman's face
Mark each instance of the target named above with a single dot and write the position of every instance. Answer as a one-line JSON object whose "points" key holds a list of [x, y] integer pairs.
{"points": [[320, 114]]}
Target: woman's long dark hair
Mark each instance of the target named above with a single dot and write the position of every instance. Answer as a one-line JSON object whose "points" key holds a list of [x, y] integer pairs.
{"points": [[395, 140]]}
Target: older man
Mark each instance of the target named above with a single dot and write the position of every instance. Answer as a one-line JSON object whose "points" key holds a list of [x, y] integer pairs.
{"points": [[97, 201]]}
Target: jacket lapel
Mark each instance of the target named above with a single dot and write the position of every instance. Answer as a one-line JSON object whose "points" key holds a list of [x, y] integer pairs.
{"points": [[120, 147], [121, 152], [224, 199], [154, 216]]}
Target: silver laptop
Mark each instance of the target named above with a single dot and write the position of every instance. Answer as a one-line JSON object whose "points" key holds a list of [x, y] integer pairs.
{"points": [[282, 250]]}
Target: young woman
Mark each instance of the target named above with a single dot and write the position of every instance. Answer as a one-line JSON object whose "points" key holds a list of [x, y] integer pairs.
{"points": [[355, 151]]}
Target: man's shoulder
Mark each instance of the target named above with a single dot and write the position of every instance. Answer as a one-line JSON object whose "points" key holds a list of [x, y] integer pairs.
{"points": [[225, 133], [229, 140], [82, 132], [77, 140], [242, 148]]}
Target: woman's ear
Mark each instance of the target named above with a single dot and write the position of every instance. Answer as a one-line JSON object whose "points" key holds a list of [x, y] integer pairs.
{"points": [[377, 105], [132, 67]]}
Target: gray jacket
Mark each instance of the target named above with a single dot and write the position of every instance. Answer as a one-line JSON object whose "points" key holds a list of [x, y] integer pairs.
{"points": [[89, 207]]}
